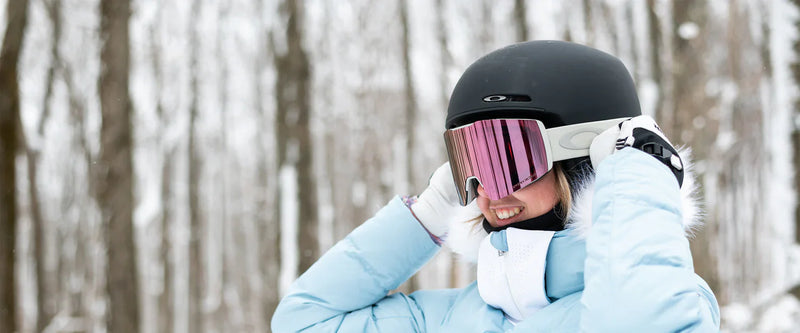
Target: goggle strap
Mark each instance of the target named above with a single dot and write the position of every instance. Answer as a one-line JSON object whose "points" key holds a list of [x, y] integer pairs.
{"points": [[573, 141]]}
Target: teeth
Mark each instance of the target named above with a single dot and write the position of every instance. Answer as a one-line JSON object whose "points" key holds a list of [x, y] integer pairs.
{"points": [[506, 213]]}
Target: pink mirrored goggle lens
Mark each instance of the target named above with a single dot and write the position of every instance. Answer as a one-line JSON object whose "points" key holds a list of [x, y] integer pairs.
{"points": [[504, 155]]}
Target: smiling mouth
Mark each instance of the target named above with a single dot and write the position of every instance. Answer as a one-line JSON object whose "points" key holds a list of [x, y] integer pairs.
{"points": [[507, 213]]}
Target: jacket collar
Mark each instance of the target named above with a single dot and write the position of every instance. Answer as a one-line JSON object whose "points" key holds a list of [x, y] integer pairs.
{"points": [[465, 238]]}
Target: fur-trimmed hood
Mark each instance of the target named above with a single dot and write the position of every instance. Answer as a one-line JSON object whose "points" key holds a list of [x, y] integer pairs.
{"points": [[465, 238]]}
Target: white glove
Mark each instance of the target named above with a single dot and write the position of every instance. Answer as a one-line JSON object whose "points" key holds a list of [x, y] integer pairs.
{"points": [[641, 133], [438, 205]]}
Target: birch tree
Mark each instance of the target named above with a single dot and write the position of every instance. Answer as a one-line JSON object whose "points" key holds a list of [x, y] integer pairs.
{"points": [[796, 125], [166, 302], [45, 296], [115, 193], [293, 133], [196, 267], [17, 12], [410, 108], [267, 225], [743, 252], [521, 20]]}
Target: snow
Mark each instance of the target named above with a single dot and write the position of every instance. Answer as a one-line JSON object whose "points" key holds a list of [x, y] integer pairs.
{"points": [[648, 96], [688, 30], [782, 196], [400, 165], [782, 317], [358, 193], [737, 317]]}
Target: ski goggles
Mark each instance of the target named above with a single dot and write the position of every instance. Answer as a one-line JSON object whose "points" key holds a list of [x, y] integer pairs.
{"points": [[505, 155]]}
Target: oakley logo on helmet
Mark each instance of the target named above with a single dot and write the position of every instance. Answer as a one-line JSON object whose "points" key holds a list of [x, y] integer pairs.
{"points": [[507, 98], [495, 98]]}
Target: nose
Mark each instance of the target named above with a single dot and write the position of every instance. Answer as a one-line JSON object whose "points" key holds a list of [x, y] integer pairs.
{"points": [[482, 192]]}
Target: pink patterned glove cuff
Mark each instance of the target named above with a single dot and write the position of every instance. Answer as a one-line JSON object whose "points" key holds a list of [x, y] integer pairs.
{"points": [[409, 200]]}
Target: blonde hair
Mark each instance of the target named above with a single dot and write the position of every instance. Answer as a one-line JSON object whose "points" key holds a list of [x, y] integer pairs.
{"points": [[563, 191]]}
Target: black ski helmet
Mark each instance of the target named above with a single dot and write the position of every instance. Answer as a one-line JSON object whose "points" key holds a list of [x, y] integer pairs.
{"points": [[556, 82]]}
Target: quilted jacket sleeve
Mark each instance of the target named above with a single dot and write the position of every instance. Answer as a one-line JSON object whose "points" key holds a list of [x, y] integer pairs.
{"points": [[346, 289], [638, 271]]}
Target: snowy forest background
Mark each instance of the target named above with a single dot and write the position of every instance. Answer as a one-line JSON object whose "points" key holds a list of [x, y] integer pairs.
{"points": [[173, 165]]}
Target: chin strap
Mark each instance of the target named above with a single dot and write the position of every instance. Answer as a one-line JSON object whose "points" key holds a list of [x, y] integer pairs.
{"points": [[553, 220]]}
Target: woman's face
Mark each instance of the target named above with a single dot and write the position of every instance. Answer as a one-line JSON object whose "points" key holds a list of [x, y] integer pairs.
{"points": [[529, 202]]}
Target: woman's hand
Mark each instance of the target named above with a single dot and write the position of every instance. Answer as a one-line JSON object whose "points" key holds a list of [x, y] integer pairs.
{"points": [[641, 133], [438, 205]]}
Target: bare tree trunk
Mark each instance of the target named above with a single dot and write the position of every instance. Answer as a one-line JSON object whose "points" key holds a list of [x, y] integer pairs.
{"points": [[45, 307], [44, 293], [221, 315], [445, 62], [54, 13], [196, 268], [656, 39], [795, 66], [486, 30], [410, 112], [75, 267], [268, 226], [746, 264], [410, 96], [16, 13], [79, 264], [445, 57], [689, 77], [116, 158], [609, 22], [588, 11], [293, 135], [634, 41], [521, 20], [166, 301], [269, 246]]}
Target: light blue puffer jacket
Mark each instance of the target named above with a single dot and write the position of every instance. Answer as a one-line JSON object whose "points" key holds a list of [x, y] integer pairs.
{"points": [[631, 273]]}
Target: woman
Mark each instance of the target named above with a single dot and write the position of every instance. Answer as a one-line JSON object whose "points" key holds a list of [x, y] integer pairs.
{"points": [[575, 231]]}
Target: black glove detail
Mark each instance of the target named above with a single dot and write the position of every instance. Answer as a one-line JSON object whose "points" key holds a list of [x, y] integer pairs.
{"points": [[655, 145]]}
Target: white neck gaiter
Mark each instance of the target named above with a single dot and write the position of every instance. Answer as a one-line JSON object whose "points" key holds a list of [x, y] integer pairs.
{"points": [[511, 266]]}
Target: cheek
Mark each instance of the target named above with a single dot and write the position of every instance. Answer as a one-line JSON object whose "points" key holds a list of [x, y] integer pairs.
{"points": [[548, 199], [539, 197], [543, 202], [483, 205]]}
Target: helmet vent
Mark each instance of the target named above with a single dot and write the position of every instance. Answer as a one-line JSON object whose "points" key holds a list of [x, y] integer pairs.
{"points": [[507, 98]]}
